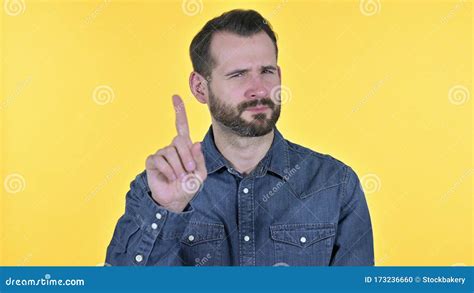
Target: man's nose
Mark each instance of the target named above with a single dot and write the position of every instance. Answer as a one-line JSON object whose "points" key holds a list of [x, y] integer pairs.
{"points": [[257, 89]]}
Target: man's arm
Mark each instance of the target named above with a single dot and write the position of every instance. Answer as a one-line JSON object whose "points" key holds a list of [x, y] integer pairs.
{"points": [[146, 226], [157, 205], [354, 241]]}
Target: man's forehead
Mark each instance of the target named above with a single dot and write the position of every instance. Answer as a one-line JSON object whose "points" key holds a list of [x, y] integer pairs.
{"points": [[231, 50]]}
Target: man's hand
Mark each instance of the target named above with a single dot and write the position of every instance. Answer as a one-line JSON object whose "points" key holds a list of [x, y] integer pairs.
{"points": [[176, 172]]}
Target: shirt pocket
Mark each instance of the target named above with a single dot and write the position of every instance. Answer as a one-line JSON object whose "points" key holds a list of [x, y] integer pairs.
{"points": [[303, 244], [202, 244]]}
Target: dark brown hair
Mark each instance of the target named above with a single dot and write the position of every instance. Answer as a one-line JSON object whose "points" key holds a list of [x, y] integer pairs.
{"points": [[242, 22]]}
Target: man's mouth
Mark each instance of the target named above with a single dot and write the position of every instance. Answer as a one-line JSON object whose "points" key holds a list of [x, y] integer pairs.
{"points": [[257, 109]]}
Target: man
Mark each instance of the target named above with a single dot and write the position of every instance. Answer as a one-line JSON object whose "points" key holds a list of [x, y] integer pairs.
{"points": [[244, 196]]}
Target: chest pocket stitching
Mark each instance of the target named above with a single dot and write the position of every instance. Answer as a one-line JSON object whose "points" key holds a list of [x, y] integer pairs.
{"points": [[202, 232], [292, 233]]}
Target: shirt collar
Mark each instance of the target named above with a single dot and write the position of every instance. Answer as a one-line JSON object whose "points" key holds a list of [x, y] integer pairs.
{"points": [[214, 159], [276, 160]]}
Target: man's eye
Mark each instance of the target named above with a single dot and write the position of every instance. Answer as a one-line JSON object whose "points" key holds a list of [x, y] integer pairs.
{"points": [[267, 71], [237, 75]]}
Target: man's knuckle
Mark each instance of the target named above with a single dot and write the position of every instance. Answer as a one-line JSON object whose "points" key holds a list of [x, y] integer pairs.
{"points": [[175, 140], [167, 151]]}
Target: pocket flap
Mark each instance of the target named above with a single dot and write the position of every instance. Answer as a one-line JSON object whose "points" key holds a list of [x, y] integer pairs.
{"points": [[197, 232], [302, 235]]}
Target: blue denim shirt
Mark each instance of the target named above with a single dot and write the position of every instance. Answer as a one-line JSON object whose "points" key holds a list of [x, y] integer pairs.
{"points": [[296, 208]]}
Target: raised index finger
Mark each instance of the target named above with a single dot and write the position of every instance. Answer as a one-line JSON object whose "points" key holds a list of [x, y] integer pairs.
{"points": [[181, 119]]}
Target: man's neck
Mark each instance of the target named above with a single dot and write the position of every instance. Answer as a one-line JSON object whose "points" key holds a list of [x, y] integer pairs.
{"points": [[244, 153]]}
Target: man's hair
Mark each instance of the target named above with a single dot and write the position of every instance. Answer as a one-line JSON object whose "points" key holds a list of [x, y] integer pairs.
{"points": [[241, 22]]}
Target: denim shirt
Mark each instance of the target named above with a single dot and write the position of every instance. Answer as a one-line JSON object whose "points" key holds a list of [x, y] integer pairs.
{"points": [[296, 208]]}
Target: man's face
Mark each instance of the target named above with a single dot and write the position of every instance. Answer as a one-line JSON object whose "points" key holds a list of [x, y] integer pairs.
{"points": [[242, 80]]}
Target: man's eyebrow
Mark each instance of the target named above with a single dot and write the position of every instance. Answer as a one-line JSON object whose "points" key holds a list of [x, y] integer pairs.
{"points": [[267, 67], [237, 71]]}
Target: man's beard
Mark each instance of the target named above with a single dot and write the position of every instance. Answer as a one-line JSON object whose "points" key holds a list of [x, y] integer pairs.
{"points": [[231, 117]]}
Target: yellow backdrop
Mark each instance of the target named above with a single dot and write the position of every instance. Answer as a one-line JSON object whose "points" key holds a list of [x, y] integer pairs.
{"points": [[385, 86]]}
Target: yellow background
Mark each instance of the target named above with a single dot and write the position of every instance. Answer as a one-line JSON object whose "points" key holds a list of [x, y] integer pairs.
{"points": [[384, 86]]}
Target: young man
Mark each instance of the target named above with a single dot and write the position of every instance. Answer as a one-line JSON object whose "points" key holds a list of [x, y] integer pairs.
{"points": [[244, 195]]}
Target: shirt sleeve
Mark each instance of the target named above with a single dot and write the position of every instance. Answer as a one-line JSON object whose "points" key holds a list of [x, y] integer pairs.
{"points": [[354, 240], [145, 227]]}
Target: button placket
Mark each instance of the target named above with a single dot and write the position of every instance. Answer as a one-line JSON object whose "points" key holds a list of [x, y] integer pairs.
{"points": [[246, 222]]}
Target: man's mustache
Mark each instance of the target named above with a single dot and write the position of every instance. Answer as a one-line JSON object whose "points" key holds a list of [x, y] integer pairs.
{"points": [[261, 102]]}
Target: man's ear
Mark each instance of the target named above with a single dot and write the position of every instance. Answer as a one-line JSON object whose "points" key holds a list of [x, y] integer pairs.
{"points": [[279, 72], [198, 85]]}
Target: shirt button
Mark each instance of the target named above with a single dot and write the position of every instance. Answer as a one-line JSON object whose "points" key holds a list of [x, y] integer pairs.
{"points": [[158, 216], [246, 238], [303, 239], [154, 226], [191, 238], [246, 190], [139, 258]]}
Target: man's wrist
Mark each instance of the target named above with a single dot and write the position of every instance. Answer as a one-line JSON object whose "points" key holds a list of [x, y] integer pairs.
{"points": [[174, 207]]}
